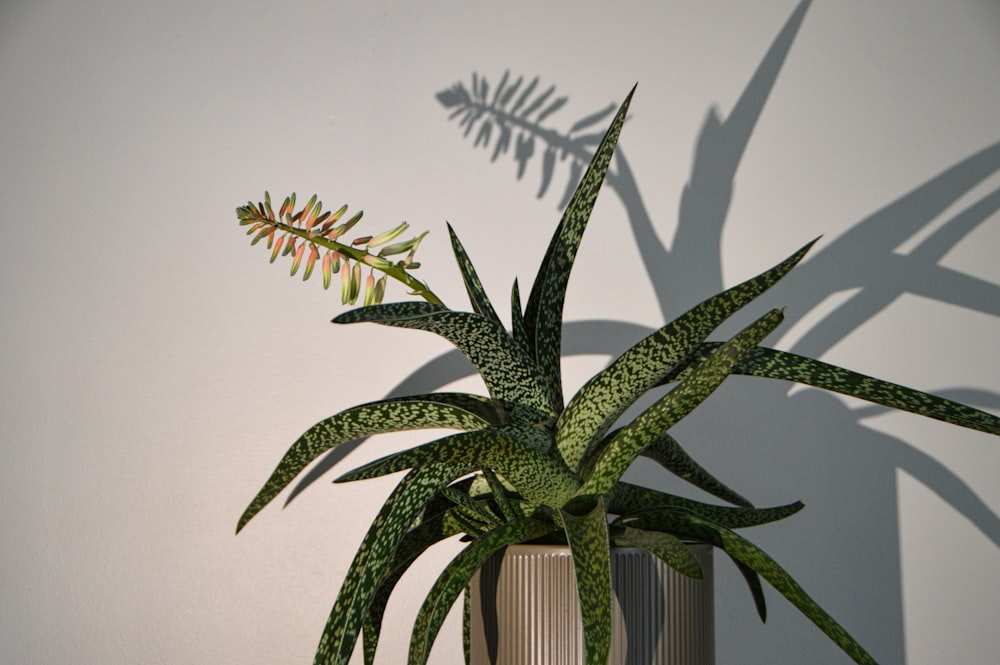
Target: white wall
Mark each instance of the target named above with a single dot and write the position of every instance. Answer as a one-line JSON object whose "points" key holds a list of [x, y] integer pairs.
{"points": [[155, 368]]}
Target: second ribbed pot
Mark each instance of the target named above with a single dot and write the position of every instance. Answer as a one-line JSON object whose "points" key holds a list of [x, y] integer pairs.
{"points": [[524, 609]]}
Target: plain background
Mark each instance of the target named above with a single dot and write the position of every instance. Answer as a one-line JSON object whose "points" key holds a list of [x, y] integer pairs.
{"points": [[154, 368]]}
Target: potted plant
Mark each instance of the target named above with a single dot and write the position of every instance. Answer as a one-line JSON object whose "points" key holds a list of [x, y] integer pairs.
{"points": [[526, 465]]}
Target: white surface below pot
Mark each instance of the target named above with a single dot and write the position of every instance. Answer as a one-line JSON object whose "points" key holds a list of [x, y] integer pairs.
{"points": [[524, 609]]}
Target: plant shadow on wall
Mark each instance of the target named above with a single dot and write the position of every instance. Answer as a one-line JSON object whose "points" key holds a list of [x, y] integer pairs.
{"points": [[847, 470]]}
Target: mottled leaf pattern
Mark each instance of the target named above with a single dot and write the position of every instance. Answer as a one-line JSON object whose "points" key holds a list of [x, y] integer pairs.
{"points": [[519, 330], [413, 544], [372, 559], [508, 374], [516, 452], [589, 543], [681, 400], [753, 583], [692, 526], [599, 403], [790, 367], [440, 410], [548, 293], [499, 494], [668, 453], [775, 364], [455, 578], [477, 295], [640, 507], [731, 518], [667, 548], [665, 451]]}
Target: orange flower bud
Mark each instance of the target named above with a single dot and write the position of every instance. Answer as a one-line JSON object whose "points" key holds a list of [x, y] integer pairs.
{"points": [[310, 262], [298, 258], [277, 248], [327, 272]]}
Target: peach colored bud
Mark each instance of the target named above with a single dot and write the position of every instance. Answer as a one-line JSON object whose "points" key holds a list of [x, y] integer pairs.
{"points": [[263, 233], [298, 258], [349, 224], [310, 262], [334, 218], [327, 270], [313, 212], [355, 282], [340, 213], [277, 248], [345, 283], [369, 289]]}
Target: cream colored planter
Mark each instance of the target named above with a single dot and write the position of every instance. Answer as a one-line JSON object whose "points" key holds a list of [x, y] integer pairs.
{"points": [[524, 610]]}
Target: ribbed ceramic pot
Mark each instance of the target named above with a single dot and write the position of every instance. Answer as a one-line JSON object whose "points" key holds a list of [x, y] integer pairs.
{"points": [[524, 609]]}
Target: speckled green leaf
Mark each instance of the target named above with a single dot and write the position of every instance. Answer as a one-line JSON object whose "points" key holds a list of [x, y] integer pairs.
{"points": [[374, 557], [640, 507], [691, 526], [775, 364], [589, 543], [499, 494], [470, 507], [665, 451], [439, 410], [545, 305], [456, 576], [518, 329], [467, 626], [668, 453], [477, 294], [417, 540], [752, 580], [628, 499], [516, 452], [606, 396], [509, 375], [665, 547], [729, 517], [669, 409]]}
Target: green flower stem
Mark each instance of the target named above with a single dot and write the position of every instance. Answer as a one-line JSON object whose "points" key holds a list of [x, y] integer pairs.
{"points": [[417, 287]]}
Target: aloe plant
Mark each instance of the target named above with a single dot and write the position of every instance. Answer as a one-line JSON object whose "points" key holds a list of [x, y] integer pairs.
{"points": [[526, 465]]}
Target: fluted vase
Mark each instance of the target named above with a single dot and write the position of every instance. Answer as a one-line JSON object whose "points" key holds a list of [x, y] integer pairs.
{"points": [[524, 609]]}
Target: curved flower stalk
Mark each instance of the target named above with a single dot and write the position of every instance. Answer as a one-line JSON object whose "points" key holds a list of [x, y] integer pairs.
{"points": [[312, 233], [523, 466]]}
